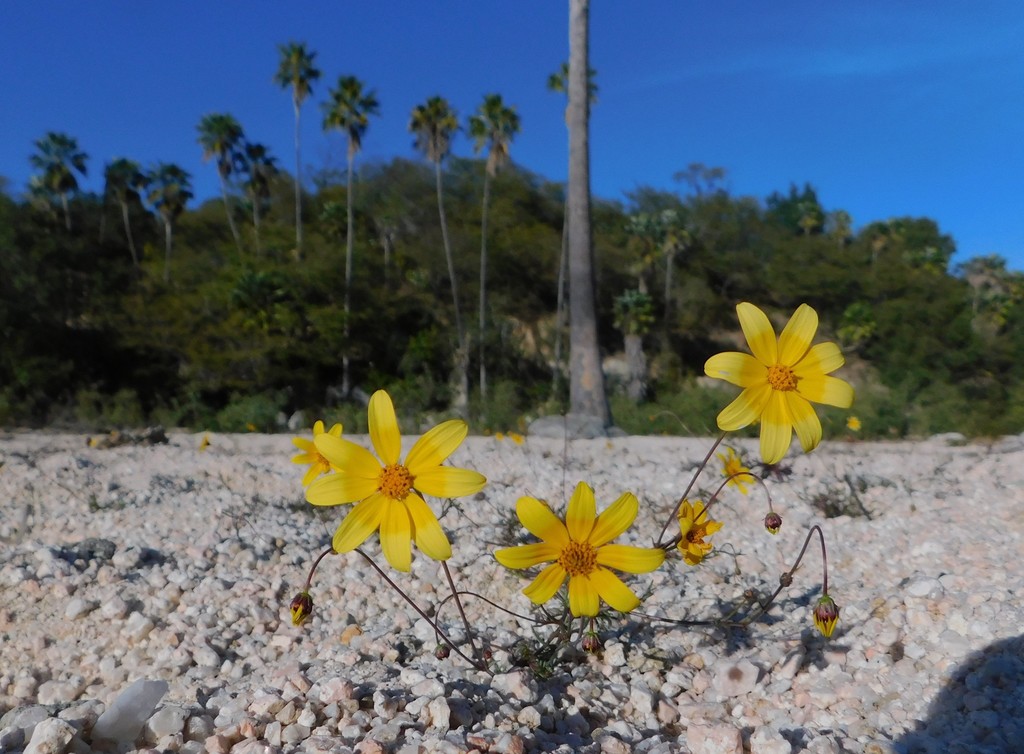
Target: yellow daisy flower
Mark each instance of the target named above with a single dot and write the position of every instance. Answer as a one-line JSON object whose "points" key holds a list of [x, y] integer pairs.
{"points": [[732, 465], [388, 495], [579, 549], [780, 380], [853, 424], [694, 526], [310, 455]]}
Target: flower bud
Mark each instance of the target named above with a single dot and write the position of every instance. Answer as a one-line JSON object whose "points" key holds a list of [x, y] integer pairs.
{"points": [[442, 651], [591, 644], [301, 607], [773, 522], [826, 615]]}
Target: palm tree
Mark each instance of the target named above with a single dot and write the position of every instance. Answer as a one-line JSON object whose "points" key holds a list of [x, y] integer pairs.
{"points": [[123, 179], [433, 125], [259, 168], [559, 82], [586, 380], [168, 189], [221, 137], [493, 126], [59, 159], [349, 110], [296, 70]]}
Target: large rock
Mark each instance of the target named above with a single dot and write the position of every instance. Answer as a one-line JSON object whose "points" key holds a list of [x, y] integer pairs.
{"points": [[123, 722]]}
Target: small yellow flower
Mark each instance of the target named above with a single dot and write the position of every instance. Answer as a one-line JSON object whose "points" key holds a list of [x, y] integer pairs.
{"points": [[694, 526], [387, 495], [732, 466], [580, 549], [780, 380], [250, 426], [826, 615], [853, 424], [205, 442], [499, 436], [310, 455], [515, 437]]}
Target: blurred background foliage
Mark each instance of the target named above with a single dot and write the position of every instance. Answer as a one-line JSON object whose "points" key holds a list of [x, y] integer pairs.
{"points": [[243, 336]]}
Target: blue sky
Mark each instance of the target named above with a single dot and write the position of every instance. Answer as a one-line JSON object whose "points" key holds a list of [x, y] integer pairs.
{"points": [[886, 108]]}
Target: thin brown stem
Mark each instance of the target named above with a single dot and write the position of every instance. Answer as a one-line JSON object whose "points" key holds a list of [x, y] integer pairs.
{"points": [[462, 612], [309, 578]]}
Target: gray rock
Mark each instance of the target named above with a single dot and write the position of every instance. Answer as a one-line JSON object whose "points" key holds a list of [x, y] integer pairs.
{"points": [[576, 426], [51, 736], [123, 722]]}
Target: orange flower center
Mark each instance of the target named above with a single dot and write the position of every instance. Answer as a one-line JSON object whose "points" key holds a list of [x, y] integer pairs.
{"points": [[578, 558], [395, 481], [781, 377]]}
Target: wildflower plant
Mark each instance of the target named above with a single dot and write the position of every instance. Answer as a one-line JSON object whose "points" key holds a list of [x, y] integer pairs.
{"points": [[574, 561]]}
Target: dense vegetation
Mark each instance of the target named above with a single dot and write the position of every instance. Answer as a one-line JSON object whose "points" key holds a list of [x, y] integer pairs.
{"points": [[235, 335]]}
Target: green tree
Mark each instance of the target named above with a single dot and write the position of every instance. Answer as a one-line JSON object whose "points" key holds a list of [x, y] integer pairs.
{"points": [[493, 127], [433, 125], [297, 71], [221, 138], [634, 317], [123, 179], [59, 158], [168, 189], [348, 110], [259, 168], [587, 395]]}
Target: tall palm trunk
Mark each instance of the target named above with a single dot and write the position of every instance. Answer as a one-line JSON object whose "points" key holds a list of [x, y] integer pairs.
{"points": [[586, 380], [483, 286], [256, 225], [168, 240], [460, 377], [298, 188], [128, 233], [346, 384], [67, 211], [563, 263], [227, 211]]}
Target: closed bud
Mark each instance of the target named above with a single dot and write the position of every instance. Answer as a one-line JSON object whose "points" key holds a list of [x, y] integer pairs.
{"points": [[301, 607], [442, 651], [591, 644], [773, 522]]}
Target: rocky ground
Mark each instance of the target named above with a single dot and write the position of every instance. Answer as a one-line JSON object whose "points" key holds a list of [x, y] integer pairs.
{"points": [[146, 587]]}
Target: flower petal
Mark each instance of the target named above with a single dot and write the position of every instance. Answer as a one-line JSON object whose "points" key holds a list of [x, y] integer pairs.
{"points": [[805, 421], [630, 559], [339, 488], [541, 522], [396, 535], [580, 515], [548, 581], [444, 481], [583, 597], [318, 427], [745, 409], [360, 523], [527, 556], [829, 390], [821, 359], [776, 429], [384, 432], [797, 335], [738, 368], [611, 589], [315, 470], [436, 445], [345, 454], [304, 444], [430, 537], [614, 519], [759, 333]]}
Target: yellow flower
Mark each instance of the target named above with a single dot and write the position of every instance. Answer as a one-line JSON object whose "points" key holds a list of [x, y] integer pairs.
{"points": [[694, 526], [516, 438], [301, 608], [826, 615], [499, 436], [205, 442], [732, 466], [250, 426], [579, 549], [780, 380], [853, 424], [388, 494], [310, 455]]}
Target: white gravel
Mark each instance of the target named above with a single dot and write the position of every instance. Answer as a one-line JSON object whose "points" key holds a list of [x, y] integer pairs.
{"points": [[170, 565]]}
